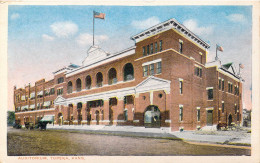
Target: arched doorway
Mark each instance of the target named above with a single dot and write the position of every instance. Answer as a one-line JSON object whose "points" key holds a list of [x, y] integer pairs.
{"points": [[79, 108], [152, 116], [229, 120], [60, 119], [97, 117]]}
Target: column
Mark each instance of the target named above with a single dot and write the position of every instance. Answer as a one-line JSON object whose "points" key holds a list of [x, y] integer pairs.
{"points": [[84, 113], [106, 111], [136, 119], [75, 114], [119, 112]]}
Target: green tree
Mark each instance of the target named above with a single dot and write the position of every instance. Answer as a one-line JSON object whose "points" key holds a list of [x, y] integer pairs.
{"points": [[10, 117]]}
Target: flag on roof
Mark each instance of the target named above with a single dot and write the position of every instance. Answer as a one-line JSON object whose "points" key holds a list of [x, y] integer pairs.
{"points": [[99, 15], [241, 65], [227, 65], [220, 48]]}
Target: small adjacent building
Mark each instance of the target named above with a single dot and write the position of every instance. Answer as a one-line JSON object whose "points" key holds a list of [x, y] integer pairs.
{"points": [[164, 80]]}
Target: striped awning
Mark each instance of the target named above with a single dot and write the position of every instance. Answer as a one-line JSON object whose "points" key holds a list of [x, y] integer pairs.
{"points": [[40, 93], [24, 107], [47, 103], [32, 106], [47, 118], [32, 95]]}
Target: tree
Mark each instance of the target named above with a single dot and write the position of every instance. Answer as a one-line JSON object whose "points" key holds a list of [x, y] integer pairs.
{"points": [[10, 117]]}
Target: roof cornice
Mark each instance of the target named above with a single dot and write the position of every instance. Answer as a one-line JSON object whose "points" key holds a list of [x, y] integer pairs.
{"points": [[164, 26]]}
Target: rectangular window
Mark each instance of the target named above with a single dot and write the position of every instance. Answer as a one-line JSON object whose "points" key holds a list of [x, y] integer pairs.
{"points": [[231, 88], [60, 80], [148, 49], [210, 94], [223, 106], [228, 87], [223, 85], [198, 114], [144, 54], [52, 91], [60, 91], [151, 46], [155, 47], [180, 46], [235, 108], [181, 113], [160, 48], [125, 115], [198, 71], [145, 70], [151, 69], [238, 116], [159, 67], [181, 86], [219, 84]]}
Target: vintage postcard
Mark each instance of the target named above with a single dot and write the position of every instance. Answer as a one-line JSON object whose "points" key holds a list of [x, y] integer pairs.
{"points": [[130, 79]]}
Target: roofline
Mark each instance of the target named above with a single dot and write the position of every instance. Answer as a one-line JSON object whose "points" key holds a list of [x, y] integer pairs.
{"points": [[175, 24]]}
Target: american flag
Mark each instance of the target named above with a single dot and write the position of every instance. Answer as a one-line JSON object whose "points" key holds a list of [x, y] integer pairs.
{"points": [[99, 15], [220, 48]]}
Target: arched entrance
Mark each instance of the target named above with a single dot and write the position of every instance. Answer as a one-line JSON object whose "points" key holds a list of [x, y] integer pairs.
{"points": [[60, 119], [97, 117], [229, 120], [152, 116]]}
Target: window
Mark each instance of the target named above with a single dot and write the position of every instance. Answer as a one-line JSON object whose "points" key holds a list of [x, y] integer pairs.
{"points": [[181, 86], [238, 116], [198, 114], [145, 70], [128, 100], [78, 83], [99, 78], [231, 88], [144, 54], [60, 91], [181, 112], [159, 67], [151, 69], [219, 84], [235, 108], [112, 79], [88, 82], [180, 46], [223, 106], [223, 84], [151, 46], [52, 91], [69, 87], [128, 72], [60, 80], [160, 48], [210, 93], [148, 49], [155, 47], [125, 115], [198, 71]]}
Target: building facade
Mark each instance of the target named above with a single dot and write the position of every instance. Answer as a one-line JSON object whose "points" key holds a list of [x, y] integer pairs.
{"points": [[164, 80]]}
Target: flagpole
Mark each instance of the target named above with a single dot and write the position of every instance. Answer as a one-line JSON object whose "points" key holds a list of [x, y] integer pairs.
{"points": [[93, 26], [216, 52]]}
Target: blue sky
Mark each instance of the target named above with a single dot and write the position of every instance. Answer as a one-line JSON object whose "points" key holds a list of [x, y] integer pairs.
{"points": [[39, 36]]}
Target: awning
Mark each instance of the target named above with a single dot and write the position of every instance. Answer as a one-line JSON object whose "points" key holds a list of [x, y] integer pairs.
{"points": [[47, 118], [32, 106], [24, 107], [32, 95], [23, 98], [38, 105], [47, 103], [40, 93]]}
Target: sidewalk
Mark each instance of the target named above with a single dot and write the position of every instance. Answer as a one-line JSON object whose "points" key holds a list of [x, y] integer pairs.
{"points": [[213, 137]]}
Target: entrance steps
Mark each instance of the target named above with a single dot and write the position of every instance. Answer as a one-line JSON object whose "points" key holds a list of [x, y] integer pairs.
{"points": [[209, 128]]}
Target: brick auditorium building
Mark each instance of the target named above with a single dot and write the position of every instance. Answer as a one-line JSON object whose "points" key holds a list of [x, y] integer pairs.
{"points": [[164, 80]]}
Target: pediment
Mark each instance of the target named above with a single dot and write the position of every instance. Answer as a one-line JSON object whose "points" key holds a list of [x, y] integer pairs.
{"points": [[59, 101], [153, 83], [94, 54]]}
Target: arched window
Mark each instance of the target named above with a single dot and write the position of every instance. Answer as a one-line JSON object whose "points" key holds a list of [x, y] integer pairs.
{"points": [[99, 78], [78, 83], [69, 87], [112, 79], [128, 72], [88, 82]]}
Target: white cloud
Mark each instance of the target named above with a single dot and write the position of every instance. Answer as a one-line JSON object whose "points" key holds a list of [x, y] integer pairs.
{"points": [[85, 39], [193, 26], [64, 29], [236, 18], [147, 23], [15, 16], [47, 37]]}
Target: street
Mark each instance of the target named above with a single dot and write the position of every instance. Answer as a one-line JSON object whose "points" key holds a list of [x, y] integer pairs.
{"points": [[23, 142]]}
